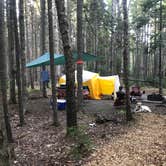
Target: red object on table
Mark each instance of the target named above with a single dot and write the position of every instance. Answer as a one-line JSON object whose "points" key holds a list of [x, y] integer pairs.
{"points": [[80, 62]]}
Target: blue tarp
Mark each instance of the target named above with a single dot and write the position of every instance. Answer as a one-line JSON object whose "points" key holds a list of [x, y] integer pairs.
{"points": [[59, 59]]}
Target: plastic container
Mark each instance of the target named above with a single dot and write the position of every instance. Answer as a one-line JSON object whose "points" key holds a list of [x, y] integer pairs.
{"points": [[61, 103]]}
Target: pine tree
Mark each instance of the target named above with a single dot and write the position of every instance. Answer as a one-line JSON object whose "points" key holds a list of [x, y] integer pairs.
{"points": [[69, 66], [4, 157], [22, 53], [11, 53], [43, 46], [18, 57], [126, 61], [79, 51], [52, 67], [160, 52]]}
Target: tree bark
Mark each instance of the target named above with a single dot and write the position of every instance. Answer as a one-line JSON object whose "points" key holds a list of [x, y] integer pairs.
{"points": [[43, 47], [69, 66], [155, 55], [12, 98], [5, 105], [4, 157], [112, 50], [52, 67], [30, 79], [125, 60], [160, 52], [79, 51], [3, 82], [69, 19], [36, 45], [22, 53], [18, 56]]}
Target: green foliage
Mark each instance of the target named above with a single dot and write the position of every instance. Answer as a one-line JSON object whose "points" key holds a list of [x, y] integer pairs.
{"points": [[148, 4], [82, 143], [141, 21]]}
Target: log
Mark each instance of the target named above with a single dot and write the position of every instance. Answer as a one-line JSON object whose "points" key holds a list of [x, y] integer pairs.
{"points": [[153, 102]]}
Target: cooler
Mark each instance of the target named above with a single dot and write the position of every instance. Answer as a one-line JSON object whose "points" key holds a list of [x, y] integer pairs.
{"points": [[61, 104]]}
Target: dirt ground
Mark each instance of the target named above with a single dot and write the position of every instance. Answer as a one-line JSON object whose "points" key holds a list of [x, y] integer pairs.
{"points": [[140, 142]]}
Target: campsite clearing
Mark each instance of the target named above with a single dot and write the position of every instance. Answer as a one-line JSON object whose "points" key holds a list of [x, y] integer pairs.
{"points": [[141, 142]]}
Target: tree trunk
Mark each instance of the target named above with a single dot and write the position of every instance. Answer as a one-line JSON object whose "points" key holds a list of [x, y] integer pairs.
{"points": [[155, 55], [3, 82], [69, 65], [79, 51], [43, 15], [43, 47], [32, 71], [30, 79], [12, 98], [17, 46], [22, 53], [95, 33], [125, 60], [118, 40], [112, 50], [69, 19], [160, 52], [52, 67], [36, 45], [4, 157], [138, 57]]}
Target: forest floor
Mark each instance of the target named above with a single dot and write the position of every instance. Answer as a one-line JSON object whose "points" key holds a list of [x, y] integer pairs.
{"points": [[140, 142]]}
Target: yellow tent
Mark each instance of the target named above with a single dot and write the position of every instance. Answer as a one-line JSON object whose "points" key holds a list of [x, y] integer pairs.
{"points": [[94, 87], [107, 85], [97, 85], [89, 79]]}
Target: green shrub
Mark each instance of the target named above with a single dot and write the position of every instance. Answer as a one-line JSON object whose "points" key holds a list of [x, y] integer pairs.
{"points": [[82, 143]]}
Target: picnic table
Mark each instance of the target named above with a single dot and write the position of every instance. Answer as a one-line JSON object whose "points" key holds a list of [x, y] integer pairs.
{"points": [[61, 92]]}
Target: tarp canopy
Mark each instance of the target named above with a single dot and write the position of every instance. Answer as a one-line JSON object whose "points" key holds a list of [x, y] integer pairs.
{"points": [[97, 85], [59, 59]]}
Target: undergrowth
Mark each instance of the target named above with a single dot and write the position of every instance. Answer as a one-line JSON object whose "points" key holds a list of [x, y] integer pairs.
{"points": [[82, 143]]}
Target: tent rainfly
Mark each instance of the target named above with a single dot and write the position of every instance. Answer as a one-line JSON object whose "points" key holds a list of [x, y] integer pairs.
{"points": [[59, 59]]}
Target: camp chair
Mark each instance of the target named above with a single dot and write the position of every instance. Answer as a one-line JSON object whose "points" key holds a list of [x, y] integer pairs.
{"points": [[135, 91]]}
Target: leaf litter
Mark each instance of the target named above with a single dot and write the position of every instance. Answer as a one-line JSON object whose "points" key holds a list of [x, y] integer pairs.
{"points": [[140, 142]]}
